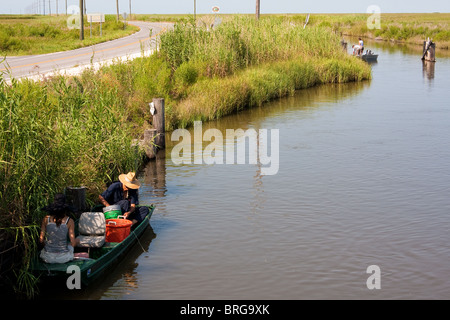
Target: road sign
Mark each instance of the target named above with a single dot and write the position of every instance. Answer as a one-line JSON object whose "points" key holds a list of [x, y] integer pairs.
{"points": [[96, 17]]}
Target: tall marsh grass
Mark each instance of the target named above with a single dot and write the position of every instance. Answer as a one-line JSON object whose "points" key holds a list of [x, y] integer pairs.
{"points": [[245, 62], [55, 134]]}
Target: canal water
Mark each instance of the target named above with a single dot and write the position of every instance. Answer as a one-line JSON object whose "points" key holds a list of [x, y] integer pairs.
{"points": [[363, 180]]}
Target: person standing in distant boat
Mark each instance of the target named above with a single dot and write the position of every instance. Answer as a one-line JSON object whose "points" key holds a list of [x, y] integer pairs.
{"points": [[361, 44], [124, 193]]}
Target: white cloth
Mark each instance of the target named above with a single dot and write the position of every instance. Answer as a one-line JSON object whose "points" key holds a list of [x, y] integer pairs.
{"points": [[55, 257]]}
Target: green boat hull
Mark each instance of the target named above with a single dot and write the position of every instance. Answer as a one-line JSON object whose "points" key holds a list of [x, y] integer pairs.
{"points": [[102, 258]]}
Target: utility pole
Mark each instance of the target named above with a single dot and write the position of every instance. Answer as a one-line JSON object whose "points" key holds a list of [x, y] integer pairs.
{"points": [[81, 20], [57, 7], [258, 9], [49, 8], [130, 10], [195, 10], [66, 7], [117, 6]]}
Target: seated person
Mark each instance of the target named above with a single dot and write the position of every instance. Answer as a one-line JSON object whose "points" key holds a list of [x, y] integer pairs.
{"points": [[55, 228], [125, 194]]}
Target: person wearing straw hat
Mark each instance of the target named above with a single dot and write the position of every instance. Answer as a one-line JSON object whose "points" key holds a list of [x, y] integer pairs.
{"points": [[125, 194]]}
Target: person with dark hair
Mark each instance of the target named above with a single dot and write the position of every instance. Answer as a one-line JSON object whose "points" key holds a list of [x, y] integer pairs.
{"points": [[55, 229]]}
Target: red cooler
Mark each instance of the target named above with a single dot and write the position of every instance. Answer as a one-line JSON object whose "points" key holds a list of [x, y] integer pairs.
{"points": [[117, 229]]}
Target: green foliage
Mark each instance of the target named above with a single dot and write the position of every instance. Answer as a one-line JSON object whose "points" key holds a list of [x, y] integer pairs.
{"points": [[23, 35], [54, 134]]}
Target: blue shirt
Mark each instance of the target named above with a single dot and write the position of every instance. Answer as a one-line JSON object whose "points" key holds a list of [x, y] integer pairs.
{"points": [[114, 194]]}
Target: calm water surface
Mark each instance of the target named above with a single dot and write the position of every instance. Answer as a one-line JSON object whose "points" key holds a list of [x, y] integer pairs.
{"points": [[364, 180]]}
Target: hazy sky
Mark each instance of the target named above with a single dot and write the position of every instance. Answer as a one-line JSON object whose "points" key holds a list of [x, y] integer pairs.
{"points": [[233, 6]]}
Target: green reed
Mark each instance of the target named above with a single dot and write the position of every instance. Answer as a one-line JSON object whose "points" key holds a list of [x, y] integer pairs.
{"points": [[54, 134]]}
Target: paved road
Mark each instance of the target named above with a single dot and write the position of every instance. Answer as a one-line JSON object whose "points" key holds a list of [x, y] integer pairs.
{"points": [[75, 60]]}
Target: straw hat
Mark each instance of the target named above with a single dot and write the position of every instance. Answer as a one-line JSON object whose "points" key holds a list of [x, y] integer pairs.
{"points": [[129, 180]]}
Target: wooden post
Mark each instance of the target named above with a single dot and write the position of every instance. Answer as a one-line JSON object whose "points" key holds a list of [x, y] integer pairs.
{"points": [[431, 56], [76, 197], [429, 51], [117, 8], [258, 9], [81, 21], [149, 143], [344, 45], [159, 123]]}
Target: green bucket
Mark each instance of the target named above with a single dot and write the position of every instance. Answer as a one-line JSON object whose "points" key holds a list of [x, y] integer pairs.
{"points": [[112, 212]]}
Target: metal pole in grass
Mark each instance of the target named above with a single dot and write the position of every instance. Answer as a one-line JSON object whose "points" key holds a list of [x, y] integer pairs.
{"points": [[157, 110]]}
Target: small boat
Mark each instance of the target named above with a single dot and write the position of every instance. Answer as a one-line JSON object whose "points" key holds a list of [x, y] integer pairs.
{"points": [[100, 259], [368, 56]]}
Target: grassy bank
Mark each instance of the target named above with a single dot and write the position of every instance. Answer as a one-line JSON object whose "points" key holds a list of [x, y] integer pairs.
{"points": [[79, 130], [205, 74], [35, 34], [408, 28]]}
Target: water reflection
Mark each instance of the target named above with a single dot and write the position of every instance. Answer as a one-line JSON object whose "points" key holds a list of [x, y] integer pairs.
{"points": [[428, 68], [154, 176]]}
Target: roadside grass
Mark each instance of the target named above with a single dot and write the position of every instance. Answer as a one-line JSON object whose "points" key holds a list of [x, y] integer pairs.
{"points": [[35, 34]]}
